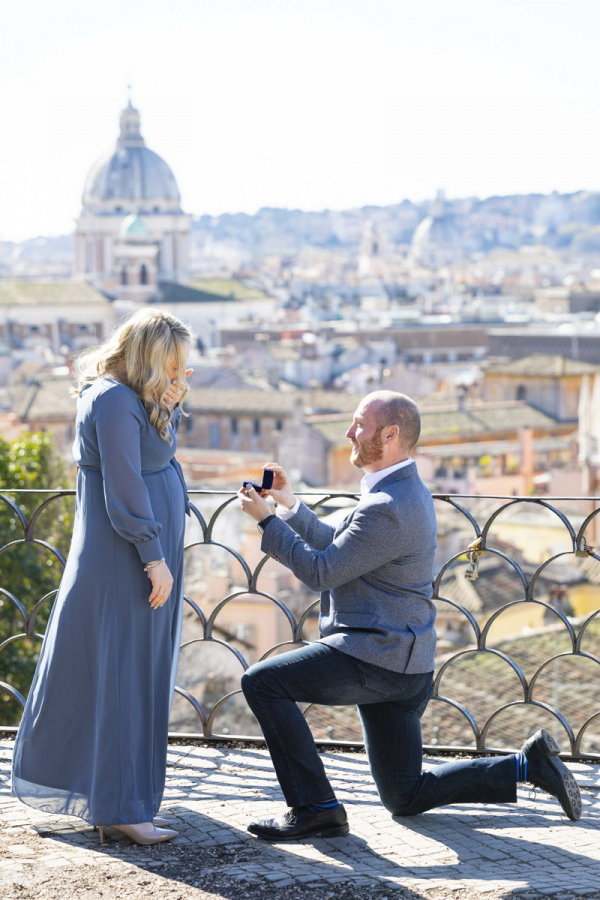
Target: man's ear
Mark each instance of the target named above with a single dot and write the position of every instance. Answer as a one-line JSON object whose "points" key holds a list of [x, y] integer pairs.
{"points": [[392, 432]]}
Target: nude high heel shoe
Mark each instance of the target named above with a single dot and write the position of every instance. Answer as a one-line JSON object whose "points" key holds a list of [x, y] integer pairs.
{"points": [[144, 834], [157, 821], [161, 822]]}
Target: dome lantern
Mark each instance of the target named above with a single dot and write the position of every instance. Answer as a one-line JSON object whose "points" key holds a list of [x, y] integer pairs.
{"points": [[130, 122]]}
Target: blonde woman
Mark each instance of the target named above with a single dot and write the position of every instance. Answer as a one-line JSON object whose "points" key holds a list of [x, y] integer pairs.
{"points": [[93, 738]]}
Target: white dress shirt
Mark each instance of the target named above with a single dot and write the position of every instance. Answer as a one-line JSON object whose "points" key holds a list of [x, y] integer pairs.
{"points": [[367, 483]]}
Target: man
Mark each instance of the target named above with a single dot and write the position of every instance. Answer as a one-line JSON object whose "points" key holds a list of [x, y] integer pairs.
{"points": [[377, 643]]}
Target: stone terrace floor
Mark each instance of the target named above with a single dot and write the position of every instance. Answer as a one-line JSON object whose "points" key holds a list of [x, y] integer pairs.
{"points": [[525, 850]]}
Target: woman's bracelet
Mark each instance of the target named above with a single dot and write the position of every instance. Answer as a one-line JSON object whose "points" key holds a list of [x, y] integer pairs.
{"points": [[154, 564]]}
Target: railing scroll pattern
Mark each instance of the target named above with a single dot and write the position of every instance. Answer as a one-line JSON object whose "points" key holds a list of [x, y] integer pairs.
{"points": [[550, 690]]}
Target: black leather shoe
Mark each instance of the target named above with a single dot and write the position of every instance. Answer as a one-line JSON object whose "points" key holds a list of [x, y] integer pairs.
{"points": [[301, 822], [549, 773]]}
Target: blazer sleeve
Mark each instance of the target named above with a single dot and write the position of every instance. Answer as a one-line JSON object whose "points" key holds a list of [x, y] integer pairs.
{"points": [[308, 525], [370, 541], [118, 416]]}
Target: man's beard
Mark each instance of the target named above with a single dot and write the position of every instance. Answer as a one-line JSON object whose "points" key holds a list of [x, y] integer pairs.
{"points": [[366, 453]]}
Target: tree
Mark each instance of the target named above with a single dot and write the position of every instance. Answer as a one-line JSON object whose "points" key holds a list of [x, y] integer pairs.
{"points": [[29, 571]]}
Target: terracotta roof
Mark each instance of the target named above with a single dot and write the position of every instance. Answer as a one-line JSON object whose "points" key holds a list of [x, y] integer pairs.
{"points": [[44, 399], [498, 583], [510, 416], [221, 377], [260, 402], [56, 292], [552, 366], [477, 449], [331, 403], [484, 682], [50, 399], [591, 568], [244, 401], [476, 418]]}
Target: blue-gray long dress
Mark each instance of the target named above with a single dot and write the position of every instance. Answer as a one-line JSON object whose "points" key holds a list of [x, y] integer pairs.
{"points": [[93, 738]]}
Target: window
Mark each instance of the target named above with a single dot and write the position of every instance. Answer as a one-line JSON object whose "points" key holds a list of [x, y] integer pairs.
{"points": [[189, 424], [256, 427], [522, 392], [143, 274], [278, 424], [234, 425], [215, 435], [124, 275]]}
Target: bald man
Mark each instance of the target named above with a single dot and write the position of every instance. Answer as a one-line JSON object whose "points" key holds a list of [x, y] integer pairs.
{"points": [[377, 644]]}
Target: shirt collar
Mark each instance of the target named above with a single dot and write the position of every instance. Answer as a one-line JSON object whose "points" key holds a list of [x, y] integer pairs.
{"points": [[368, 482]]}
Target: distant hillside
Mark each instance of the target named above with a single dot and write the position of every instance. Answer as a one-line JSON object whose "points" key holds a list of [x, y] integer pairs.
{"points": [[562, 221], [43, 255]]}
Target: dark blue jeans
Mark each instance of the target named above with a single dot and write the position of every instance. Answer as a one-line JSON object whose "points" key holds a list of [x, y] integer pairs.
{"points": [[390, 705]]}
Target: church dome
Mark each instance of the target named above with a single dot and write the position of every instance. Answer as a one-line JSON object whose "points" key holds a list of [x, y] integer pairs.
{"points": [[132, 177], [437, 239], [436, 233]]}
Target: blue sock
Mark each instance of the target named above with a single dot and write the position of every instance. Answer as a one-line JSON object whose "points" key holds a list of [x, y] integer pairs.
{"points": [[521, 767], [324, 804]]}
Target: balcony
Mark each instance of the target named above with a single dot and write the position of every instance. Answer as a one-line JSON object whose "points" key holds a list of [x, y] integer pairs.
{"points": [[519, 636], [518, 650]]}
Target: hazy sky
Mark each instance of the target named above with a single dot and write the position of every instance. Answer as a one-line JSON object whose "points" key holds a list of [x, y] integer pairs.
{"points": [[299, 103]]}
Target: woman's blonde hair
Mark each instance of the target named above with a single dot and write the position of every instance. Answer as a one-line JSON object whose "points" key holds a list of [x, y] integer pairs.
{"points": [[141, 348]]}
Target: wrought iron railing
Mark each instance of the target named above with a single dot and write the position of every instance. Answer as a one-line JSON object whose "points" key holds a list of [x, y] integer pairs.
{"points": [[518, 618]]}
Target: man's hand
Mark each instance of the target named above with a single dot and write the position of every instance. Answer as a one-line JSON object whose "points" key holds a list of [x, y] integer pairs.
{"points": [[254, 504], [177, 391], [281, 491]]}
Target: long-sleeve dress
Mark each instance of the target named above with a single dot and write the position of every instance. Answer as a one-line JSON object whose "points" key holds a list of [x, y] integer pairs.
{"points": [[93, 738]]}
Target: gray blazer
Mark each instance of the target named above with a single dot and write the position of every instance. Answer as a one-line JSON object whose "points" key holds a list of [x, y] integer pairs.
{"points": [[374, 571]]}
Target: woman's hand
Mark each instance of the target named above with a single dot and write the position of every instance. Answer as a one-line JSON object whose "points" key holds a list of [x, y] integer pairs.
{"points": [[254, 504], [162, 584], [281, 491], [177, 391]]}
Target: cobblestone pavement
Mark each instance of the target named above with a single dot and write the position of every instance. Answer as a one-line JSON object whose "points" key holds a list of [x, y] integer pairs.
{"points": [[529, 849]]}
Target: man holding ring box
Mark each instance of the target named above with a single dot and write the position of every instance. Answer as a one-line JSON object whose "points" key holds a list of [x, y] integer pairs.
{"points": [[377, 644]]}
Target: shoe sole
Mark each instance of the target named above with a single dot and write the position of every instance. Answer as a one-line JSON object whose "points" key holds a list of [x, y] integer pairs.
{"points": [[570, 798], [339, 831]]}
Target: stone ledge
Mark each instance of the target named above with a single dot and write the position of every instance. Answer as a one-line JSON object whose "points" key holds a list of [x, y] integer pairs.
{"points": [[528, 849]]}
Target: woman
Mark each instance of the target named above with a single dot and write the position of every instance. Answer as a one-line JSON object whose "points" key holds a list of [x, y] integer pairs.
{"points": [[93, 738]]}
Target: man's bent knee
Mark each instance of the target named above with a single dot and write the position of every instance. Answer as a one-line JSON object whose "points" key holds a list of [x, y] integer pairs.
{"points": [[255, 678], [405, 809], [400, 803], [249, 680]]}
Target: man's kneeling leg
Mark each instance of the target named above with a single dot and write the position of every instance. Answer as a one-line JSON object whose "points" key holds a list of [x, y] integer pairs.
{"points": [[272, 689]]}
